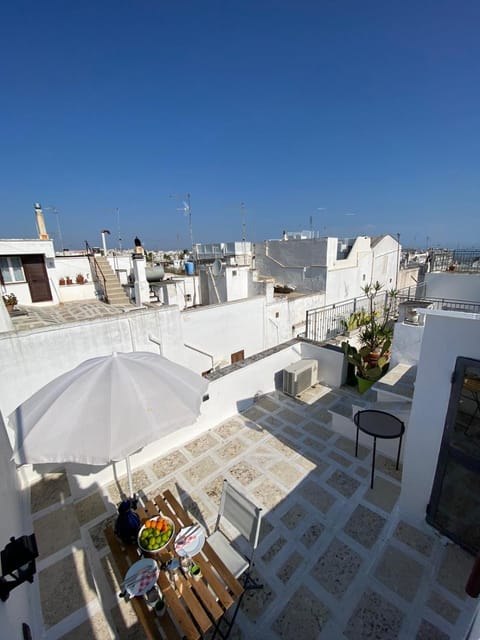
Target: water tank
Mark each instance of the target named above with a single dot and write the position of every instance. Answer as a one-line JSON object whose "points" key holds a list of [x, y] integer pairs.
{"points": [[154, 274], [189, 268]]}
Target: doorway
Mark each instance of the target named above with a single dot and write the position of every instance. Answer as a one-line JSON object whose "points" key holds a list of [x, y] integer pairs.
{"points": [[454, 506], [37, 278]]}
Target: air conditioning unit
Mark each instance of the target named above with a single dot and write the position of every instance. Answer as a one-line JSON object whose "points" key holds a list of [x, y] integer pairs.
{"points": [[299, 376]]}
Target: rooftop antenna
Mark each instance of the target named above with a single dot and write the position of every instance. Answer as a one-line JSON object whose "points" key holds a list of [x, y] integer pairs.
{"points": [[244, 232], [55, 211], [117, 211], [187, 211]]}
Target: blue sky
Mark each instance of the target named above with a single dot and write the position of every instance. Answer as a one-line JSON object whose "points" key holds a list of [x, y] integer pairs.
{"points": [[298, 109]]}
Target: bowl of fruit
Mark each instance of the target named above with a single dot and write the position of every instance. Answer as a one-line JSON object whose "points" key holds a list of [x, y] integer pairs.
{"points": [[155, 534]]}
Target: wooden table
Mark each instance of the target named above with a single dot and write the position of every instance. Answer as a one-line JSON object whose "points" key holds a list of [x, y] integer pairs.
{"points": [[193, 607]]}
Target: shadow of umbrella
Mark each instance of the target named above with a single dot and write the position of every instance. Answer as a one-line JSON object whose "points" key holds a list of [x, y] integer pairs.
{"points": [[106, 409]]}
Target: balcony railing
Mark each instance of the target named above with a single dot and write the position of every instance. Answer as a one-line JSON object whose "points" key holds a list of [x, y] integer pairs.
{"points": [[459, 261], [325, 323]]}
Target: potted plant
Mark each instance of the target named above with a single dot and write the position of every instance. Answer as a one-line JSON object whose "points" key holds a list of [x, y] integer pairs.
{"points": [[160, 606], [80, 279], [61, 282], [366, 371], [195, 571], [10, 300], [69, 280], [371, 359]]}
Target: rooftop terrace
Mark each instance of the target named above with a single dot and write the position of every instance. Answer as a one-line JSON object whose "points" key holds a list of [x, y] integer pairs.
{"points": [[336, 560]]}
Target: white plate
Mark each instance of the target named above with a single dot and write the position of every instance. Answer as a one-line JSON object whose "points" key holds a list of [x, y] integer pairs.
{"points": [[141, 577], [195, 539]]}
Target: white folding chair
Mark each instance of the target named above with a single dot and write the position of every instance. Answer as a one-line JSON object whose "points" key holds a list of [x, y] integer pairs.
{"points": [[239, 512]]}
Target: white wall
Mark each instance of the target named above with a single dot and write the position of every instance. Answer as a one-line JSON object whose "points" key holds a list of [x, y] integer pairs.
{"points": [[446, 335], [406, 344], [453, 286], [221, 330]]}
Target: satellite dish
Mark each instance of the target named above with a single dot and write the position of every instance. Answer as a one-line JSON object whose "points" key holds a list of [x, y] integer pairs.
{"points": [[217, 267]]}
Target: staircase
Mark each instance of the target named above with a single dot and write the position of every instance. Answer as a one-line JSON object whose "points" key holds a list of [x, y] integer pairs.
{"points": [[111, 288]]}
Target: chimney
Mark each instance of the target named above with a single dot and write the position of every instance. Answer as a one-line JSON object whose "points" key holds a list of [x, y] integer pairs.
{"points": [[41, 229]]}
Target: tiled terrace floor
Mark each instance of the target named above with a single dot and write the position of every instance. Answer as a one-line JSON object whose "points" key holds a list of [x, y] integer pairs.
{"points": [[336, 560]]}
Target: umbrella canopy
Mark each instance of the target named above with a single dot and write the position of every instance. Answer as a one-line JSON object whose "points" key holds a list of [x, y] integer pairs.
{"points": [[106, 409]]}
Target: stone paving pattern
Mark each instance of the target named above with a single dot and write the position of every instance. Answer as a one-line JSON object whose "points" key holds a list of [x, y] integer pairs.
{"points": [[335, 559]]}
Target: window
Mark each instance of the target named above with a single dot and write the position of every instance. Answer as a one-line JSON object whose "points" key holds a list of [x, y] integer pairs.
{"points": [[12, 270]]}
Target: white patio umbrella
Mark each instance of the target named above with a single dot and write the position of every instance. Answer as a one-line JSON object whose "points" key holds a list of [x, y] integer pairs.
{"points": [[106, 409]]}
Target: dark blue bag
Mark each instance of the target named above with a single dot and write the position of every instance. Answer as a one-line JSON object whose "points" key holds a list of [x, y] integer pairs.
{"points": [[127, 525]]}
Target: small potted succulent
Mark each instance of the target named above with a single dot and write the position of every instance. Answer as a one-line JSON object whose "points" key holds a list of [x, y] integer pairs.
{"points": [[61, 281], [10, 300], [80, 279], [69, 280], [195, 571]]}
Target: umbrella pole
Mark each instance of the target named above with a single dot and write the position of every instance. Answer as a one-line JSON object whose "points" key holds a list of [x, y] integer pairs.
{"points": [[129, 474]]}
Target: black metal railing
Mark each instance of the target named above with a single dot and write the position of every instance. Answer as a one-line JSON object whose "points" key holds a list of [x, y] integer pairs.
{"points": [[459, 260], [327, 322], [99, 275]]}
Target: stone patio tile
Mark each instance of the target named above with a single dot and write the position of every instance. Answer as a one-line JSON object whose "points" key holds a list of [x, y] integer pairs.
{"points": [[317, 430], [231, 427], [280, 446], [169, 464], [374, 618], [200, 470], [120, 489], [343, 483], [126, 623], [294, 516], [418, 540], [454, 570], [201, 445], [347, 445], [89, 508], [304, 616], [383, 495], [254, 432], [314, 444], [387, 466], [244, 473], [364, 526], [292, 434], [214, 489], [289, 416], [428, 631], [52, 488], [274, 549], [267, 403], [289, 567], [399, 572], [255, 601], [269, 494], [312, 534], [56, 530], [286, 473], [443, 607], [231, 450], [254, 413], [322, 415], [362, 472], [96, 532], [266, 527], [272, 421], [316, 495], [337, 567], [336, 457], [72, 576], [95, 628]]}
